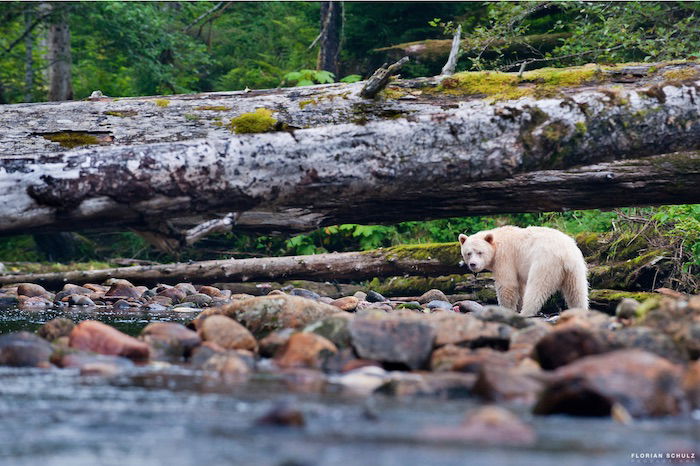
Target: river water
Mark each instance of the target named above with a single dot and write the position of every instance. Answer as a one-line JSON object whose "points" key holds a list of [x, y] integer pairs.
{"points": [[170, 416]]}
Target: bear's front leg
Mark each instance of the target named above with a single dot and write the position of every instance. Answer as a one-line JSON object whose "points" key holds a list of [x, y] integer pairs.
{"points": [[508, 295]]}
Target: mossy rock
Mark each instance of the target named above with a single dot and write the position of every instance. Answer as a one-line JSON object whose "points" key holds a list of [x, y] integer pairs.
{"points": [[606, 300], [71, 139], [640, 272], [260, 121], [414, 286]]}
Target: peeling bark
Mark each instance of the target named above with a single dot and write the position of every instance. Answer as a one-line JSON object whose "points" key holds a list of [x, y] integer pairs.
{"points": [[158, 164]]}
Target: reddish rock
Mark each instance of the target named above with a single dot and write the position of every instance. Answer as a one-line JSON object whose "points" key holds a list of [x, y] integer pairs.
{"points": [[586, 319], [96, 288], [432, 295], [691, 384], [641, 382], [33, 302], [489, 425], [187, 288], [91, 335], [24, 349], [525, 339], [203, 352], [211, 291], [169, 340], [348, 303], [283, 414], [227, 333], [567, 344], [56, 328], [175, 294], [32, 290], [76, 289], [651, 340], [393, 341], [304, 350], [122, 291], [269, 345], [227, 363], [477, 359], [507, 384], [265, 314]]}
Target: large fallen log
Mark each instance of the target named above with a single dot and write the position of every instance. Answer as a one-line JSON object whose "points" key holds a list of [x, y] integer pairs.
{"points": [[423, 260], [155, 164]]}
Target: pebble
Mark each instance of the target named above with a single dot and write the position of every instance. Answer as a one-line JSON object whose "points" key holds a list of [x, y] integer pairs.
{"points": [[374, 297]]}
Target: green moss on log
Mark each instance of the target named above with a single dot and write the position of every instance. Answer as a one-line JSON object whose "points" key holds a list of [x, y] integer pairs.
{"points": [[121, 113], [260, 121], [162, 102], [414, 286], [445, 253], [213, 108], [71, 139], [607, 299]]}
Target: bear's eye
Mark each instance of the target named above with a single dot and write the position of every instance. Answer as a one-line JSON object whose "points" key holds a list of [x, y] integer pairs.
{"points": [[479, 253], [469, 254]]}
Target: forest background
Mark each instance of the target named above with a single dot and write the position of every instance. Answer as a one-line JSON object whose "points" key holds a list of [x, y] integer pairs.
{"points": [[162, 48]]}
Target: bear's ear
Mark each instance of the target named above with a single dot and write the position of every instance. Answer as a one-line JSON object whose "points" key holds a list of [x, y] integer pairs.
{"points": [[462, 238], [489, 238]]}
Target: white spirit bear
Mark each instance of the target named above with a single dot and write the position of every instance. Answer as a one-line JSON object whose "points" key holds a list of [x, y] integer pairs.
{"points": [[529, 265]]}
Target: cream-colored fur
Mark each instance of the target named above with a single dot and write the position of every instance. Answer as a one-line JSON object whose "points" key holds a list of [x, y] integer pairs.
{"points": [[529, 265]]}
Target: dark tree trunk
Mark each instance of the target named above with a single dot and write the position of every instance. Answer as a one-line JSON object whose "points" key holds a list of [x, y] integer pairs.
{"points": [[28, 54], [59, 55], [331, 34]]}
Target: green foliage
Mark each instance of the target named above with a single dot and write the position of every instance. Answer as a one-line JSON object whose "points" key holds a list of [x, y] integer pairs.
{"points": [[351, 78], [309, 77]]}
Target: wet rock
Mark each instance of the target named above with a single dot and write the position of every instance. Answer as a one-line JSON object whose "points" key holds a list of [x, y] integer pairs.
{"points": [[90, 335], [33, 302], [122, 290], [393, 341], [304, 350], [155, 307], [651, 340], [121, 304], [80, 300], [187, 288], [269, 345], [227, 363], [211, 291], [227, 333], [265, 314], [360, 295], [8, 301], [444, 385], [691, 384], [303, 380], [436, 304], [169, 341], [283, 414], [374, 297], [432, 295], [565, 345], [455, 358], [116, 281], [56, 328], [468, 306], [627, 308], [489, 425], [175, 294], [587, 319], [367, 306], [200, 354], [33, 290], [304, 293], [76, 289], [643, 383], [96, 288], [200, 299], [507, 384], [94, 364], [525, 339], [689, 338], [24, 349], [502, 315], [348, 303], [334, 328], [467, 330]]}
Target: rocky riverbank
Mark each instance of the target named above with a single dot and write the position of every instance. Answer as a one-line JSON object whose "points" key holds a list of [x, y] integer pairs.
{"points": [[641, 362]]}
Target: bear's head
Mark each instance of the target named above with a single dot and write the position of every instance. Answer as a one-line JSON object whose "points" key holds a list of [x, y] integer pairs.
{"points": [[477, 251]]}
